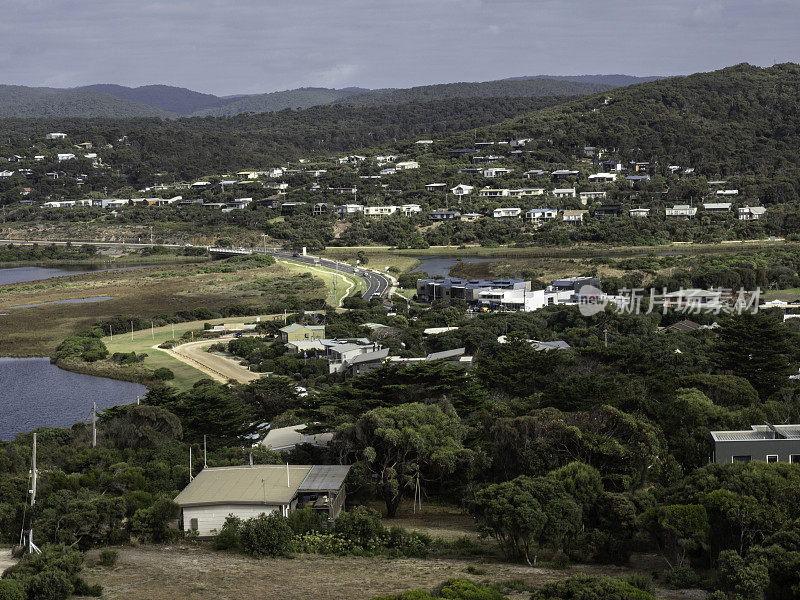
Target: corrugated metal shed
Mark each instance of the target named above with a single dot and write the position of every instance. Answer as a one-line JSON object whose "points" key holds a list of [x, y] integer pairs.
{"points": [[445, 354], [324, 477]]}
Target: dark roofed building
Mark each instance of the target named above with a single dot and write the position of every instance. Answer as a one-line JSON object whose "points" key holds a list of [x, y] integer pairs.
{"points": [[767, 443]]}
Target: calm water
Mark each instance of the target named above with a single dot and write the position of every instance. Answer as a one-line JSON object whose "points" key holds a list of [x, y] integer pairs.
{"points": [[35, 393], [22, 274], [439, 265], [67, 301]]}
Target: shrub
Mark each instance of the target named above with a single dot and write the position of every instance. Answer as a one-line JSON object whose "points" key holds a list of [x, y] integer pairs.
{"points": [[51, 584], [682, 578], [266, 535], [153, 523], [82, 588], [228, 537], [306, 520], [108, 558], [641, 582], [163, 374], [359, 525], [584, 586], [11, 589]]}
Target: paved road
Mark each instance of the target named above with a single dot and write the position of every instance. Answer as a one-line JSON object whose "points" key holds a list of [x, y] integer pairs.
{"points": [[218, 367], [377, 283]]}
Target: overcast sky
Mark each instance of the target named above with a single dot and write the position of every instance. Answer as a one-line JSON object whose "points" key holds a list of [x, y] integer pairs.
{"points": [[253, 46]]}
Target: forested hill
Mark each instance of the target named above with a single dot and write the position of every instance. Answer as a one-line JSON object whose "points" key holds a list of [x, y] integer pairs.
{"points": [[608, 80], [176, 100], [485, 89], [26, 102], [742, 119], [191, 147]]}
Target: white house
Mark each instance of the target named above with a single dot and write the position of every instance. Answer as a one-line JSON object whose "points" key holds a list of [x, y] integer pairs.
{"points": [[603, 177], [410, 209], [388, 171], [496, 172], [379, 211], [519, 142], [493, 192], [249, 491], [574, 216], [406, 165], [55, 136], [751, 213], [507, 213], [527, 192], [65, 156], [564, 192], [537, 216], [424, 142], [682, 211], [6, 173], [462, 190], [727, 192], [347, 209], [639, 212], [586, 196]]}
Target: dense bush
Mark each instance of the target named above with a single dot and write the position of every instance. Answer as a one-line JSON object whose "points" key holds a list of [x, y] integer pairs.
{"points": [[584, 587], [11, 589], [266, 535]]}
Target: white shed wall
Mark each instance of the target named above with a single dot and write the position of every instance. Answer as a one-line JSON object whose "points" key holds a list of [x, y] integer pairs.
{"points": [[212, 517]]}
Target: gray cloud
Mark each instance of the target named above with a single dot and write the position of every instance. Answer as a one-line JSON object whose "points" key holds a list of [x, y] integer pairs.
{"points": [[251, 46]]}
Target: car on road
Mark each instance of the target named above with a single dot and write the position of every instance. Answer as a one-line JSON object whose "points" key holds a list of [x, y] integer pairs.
{"points": [[295, 255]]}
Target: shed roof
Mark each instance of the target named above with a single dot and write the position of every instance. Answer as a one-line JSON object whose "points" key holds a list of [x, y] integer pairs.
{"points": [[445, 354], [260, 484], [325, 477]]}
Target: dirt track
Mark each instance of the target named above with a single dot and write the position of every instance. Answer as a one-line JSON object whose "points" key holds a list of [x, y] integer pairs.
{"points": [[215, 366]]}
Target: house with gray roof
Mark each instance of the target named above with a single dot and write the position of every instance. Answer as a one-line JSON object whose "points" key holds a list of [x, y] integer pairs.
{"points": [[249, 491], [766, 443]]}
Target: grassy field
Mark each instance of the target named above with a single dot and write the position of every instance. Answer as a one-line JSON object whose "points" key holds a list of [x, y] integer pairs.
{"points": [[145, 292], [194, 571], [346, 285]]}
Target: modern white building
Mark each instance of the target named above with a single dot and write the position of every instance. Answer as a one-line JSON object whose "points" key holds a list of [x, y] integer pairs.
{"points": [[681, 211], [462, 190], [406, 165], [507, 213], [751, 213], [603, 177], [379, 211], [564, 192]]}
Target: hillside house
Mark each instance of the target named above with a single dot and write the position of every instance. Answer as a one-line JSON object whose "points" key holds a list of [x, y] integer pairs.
{"points": [[608, 210], [15, 158], [493, 192], [459, 152], [249, 491], [55, 136], [563, 174], [751, 213], [436, 187], [534, 174], [406, 165], [496, 172], [5, 174], [587, 196], [444, 215], [526, 192], [462, 190], [564, 192], [320, 208], [639, 212], [410, 209], [471, 217], [717, 207], [538, 216], [345, 210], [765, 443], [65, 156], [634, 179], [611, 166], [489, 158], [507, 213], [296, 332], [574, 216], [379, 211], [602, 178], [727, 192], [681, 211]]}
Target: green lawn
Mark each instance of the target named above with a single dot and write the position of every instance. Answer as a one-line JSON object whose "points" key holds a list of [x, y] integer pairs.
{"points": [[144, 340]]}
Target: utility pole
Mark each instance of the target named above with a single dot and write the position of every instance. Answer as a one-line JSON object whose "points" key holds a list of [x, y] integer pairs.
{"points": [[205, 462], [33, 472], [605, 337], [173, 331], [111, 331], [131, 330], [190, 464], [94, 424]]}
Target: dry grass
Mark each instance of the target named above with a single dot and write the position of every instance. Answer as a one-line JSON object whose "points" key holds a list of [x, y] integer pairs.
{"points": [[166, 573], [144, 292]]}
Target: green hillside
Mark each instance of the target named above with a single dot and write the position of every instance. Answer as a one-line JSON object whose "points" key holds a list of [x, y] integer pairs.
{"points": [[486, 89], [26, 102], [275, 101], [180, 101], [742, 119]]}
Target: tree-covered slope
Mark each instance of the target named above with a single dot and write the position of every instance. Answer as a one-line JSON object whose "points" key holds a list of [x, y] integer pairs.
{"points": [[609, 80], [180, 101], [742, 119], [26, 102], [275, 101], [487, 89]]}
